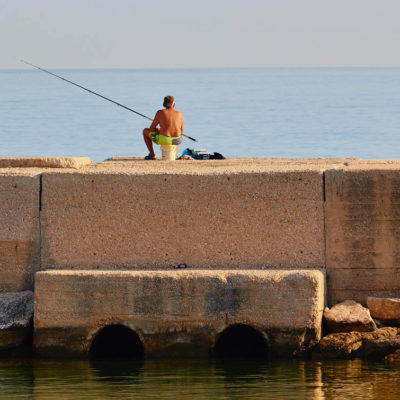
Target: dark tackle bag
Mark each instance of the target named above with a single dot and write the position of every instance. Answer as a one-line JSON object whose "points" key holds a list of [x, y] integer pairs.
{"points": [[200, 154]]}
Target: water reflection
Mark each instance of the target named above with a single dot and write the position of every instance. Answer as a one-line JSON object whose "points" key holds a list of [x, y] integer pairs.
{"points": [[16, 379], [199, 379], [118, 371], [232, 369]]}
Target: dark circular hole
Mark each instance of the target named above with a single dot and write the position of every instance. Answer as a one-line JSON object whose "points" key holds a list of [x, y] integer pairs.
{"points": [[241, 341], [116, 341]]}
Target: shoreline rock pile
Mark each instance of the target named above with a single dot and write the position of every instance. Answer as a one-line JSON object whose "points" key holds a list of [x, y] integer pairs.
{"points": [[353, 332]]}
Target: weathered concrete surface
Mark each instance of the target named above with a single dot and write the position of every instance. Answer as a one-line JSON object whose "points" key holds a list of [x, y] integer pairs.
{"points": [[363, 232], [177, 307], [232, 217], [16, 311], [19, 229], [234, 164], [385, 310], [45, 162], [348, 316]]}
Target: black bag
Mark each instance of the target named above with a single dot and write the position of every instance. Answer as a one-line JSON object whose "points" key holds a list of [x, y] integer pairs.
{"points": [[200, 154]]}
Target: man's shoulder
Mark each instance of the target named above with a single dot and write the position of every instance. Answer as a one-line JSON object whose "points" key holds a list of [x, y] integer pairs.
{"points": [[168, 112]]}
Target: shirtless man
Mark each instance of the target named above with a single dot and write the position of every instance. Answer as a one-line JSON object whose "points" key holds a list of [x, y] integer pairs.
{"points": [[170, 130]]}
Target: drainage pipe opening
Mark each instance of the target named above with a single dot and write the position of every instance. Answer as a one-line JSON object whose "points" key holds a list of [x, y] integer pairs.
{"points": [[241, 341], [116, 341]]}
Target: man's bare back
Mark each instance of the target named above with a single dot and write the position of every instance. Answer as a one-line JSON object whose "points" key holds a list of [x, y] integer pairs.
{"points": [[166, 128], [170, 121]]}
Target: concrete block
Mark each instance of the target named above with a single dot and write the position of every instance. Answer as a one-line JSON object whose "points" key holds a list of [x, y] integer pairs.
{"points": [[362, 215], [19, 230], [166, 308], [226, 219], [45, 162]]}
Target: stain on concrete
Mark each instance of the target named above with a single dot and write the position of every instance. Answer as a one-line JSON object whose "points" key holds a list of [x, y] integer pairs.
{"points": [[337, 180], [360, 210], [224, 298], [150, 300]]}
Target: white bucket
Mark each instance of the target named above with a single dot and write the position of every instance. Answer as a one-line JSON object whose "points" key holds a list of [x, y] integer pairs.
{"points": [[168, 152]]}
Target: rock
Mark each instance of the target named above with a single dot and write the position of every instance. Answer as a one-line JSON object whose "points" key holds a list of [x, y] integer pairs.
{"points": [[348, 316], [386, 310], [386, 333], [379, 349], [374, 345], [394, 357], [16, 311], [339, 346]]}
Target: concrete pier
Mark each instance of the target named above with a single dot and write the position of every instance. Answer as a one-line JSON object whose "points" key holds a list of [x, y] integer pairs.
{"points": [[79, 230]]}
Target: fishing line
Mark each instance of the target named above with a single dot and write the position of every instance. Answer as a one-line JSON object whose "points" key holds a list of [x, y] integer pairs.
{"points": [[97, 94]]}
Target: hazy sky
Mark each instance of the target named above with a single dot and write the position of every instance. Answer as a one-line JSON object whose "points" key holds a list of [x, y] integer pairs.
{"points": [[205, 33]]}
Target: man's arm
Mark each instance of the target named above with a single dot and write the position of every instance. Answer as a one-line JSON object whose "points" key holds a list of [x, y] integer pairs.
{"points": [[156, 121]]}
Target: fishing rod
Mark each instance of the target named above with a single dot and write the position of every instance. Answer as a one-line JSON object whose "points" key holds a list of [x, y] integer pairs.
{"points": [[97, 94]]}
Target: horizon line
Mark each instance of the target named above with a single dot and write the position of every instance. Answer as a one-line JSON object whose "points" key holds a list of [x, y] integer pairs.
{"points": [[199, 68]]}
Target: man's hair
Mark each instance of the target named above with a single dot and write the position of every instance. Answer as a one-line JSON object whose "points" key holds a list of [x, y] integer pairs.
{"points": [[168, 101]]}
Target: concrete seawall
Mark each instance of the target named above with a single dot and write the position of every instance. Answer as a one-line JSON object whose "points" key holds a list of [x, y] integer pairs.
{"points": [[166, 308], [19, 229], [339, 216], [123, 219], [363, 232]]}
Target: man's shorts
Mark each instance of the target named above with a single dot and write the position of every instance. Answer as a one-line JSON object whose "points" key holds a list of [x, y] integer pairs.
{"points": [[157, 138]]}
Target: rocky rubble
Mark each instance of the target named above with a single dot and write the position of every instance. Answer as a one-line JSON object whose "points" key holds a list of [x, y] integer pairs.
{"points": [[348, 316], [367, 345], [353, 332], [16, 310]]}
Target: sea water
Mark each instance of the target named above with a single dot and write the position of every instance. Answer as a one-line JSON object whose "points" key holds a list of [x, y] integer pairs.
{"points": [[201, 379], [271, 112]]}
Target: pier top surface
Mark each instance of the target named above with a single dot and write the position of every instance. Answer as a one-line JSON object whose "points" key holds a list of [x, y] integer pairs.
{"points": [[245, 164], [132, 165]]}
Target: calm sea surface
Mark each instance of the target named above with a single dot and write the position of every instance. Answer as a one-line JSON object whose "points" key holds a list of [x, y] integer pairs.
{"points": [[274, 112], [198, 380]]}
